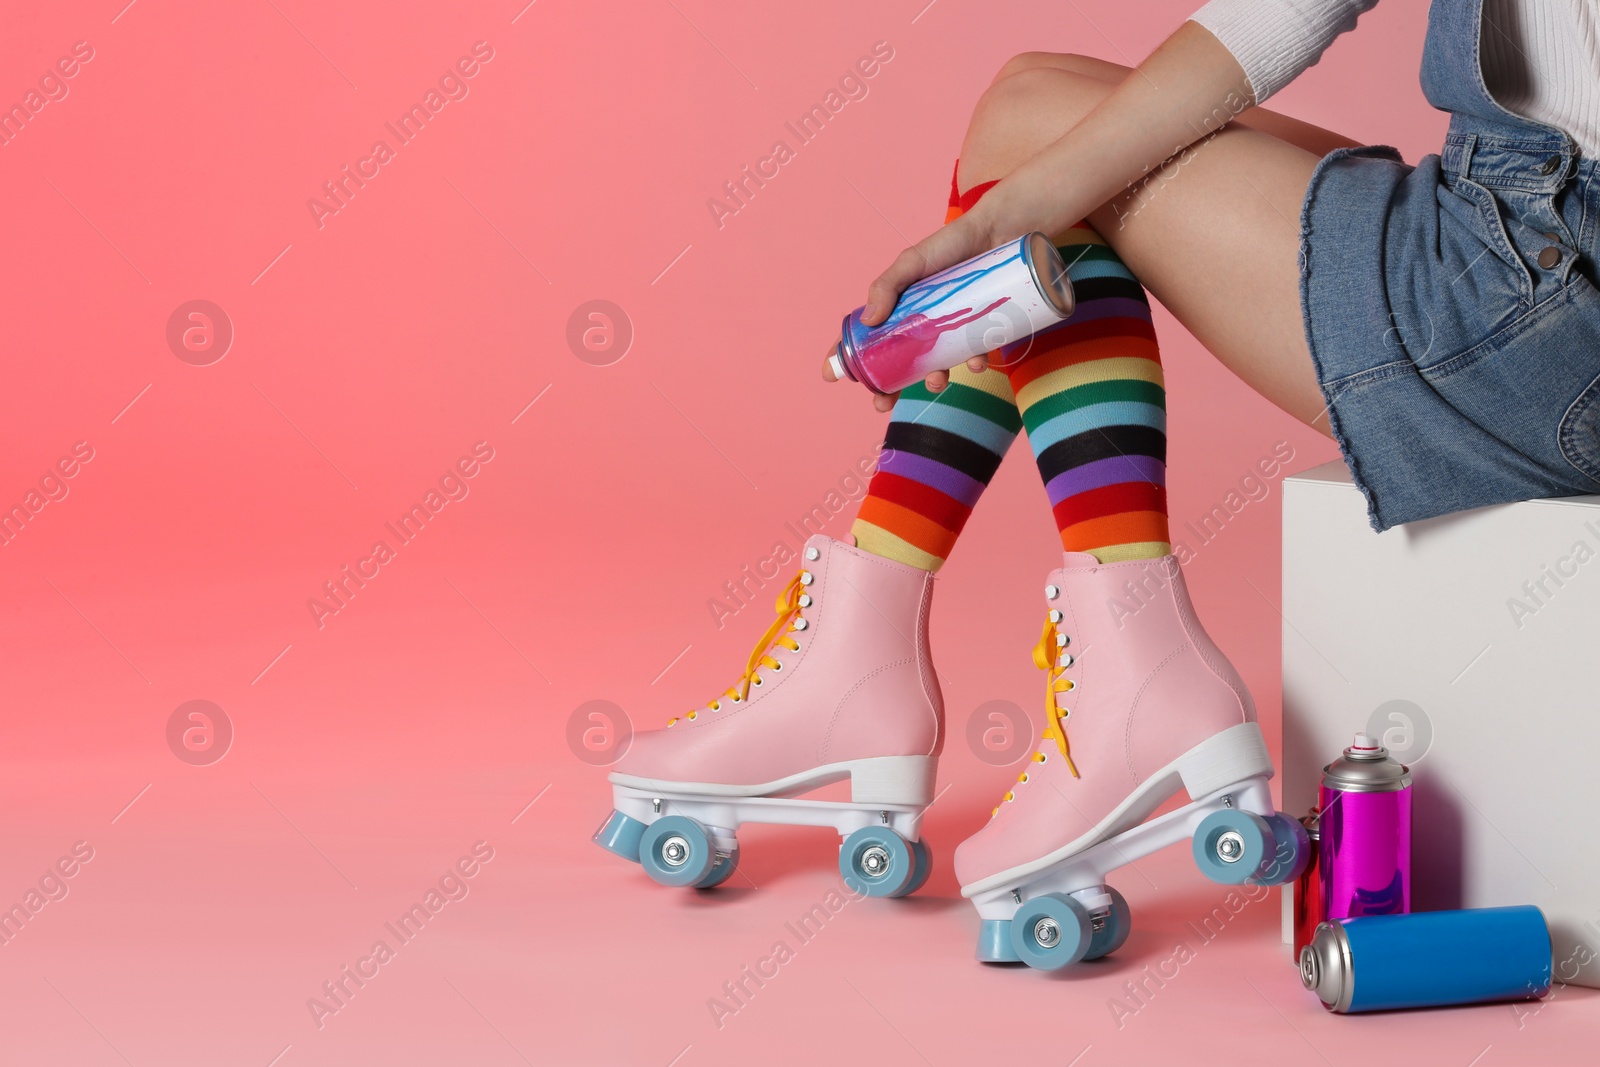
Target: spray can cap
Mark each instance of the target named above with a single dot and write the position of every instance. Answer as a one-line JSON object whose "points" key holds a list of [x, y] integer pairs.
{"points": [[836, 366], [1366, 767]]}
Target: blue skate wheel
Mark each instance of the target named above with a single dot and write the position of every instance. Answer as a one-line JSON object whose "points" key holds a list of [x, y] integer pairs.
{"points": [[1291, 852], [620, 835], [721, 871], [1114, 931], [876, 862], [1230, 845], [922, 866], [676, 851], [994, 942], [1051, 932]]}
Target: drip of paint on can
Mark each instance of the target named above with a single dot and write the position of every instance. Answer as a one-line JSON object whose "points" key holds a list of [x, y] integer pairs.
{"points": [[989, 302]]}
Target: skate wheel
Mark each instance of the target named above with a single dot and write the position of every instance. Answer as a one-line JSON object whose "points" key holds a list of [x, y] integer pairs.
{"points": [[1290, 855], [1114, 933], [620, 835], [921, 867], [1051, 932], [721, 870], [876, 862], [676, 851], [1230, 845]]}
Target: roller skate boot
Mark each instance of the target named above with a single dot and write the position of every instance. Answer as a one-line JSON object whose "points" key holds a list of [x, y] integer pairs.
{"points": [[1153, 707], [839, 687]]}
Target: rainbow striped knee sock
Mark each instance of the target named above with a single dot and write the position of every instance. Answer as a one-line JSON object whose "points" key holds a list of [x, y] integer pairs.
{"points": [[1090, 393]]}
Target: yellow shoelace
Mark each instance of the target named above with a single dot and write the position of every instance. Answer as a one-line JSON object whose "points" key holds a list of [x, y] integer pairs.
{"points": [[1050, 656], [791, 600]]}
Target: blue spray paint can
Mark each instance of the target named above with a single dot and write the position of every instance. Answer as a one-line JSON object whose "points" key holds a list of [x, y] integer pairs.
{"points": [[1428, 959]]}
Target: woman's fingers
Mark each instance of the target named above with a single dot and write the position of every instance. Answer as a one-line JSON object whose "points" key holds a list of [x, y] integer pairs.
{"points": [[978, 364], [945, 247], [886, 288]]}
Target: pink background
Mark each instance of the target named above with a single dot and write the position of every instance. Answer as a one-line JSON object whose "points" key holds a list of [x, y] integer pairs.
{"points": [[374, 350]]}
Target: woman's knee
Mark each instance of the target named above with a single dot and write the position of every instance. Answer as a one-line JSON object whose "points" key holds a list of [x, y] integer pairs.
{"points": [[1025, 61], [1020, 114], [1068, 61]]}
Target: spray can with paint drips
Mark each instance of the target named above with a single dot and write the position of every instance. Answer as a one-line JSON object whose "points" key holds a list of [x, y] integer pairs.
{"points": [[993, 301], [1364, 851]]}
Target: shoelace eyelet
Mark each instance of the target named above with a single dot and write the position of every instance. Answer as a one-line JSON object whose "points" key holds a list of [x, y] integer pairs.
{"points": [[777, 666], [756, 681]]}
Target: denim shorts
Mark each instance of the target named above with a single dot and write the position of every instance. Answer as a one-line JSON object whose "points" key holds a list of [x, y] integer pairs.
{"points": [[1452, 314]]}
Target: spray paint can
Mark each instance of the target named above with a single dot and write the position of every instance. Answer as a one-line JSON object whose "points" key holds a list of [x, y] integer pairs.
{"points": [[1428, 959], [1308, 909], [990, 301], [1364, 854]]}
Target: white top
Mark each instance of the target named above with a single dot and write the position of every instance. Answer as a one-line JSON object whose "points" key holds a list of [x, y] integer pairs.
{"points": [[1540, 58]]}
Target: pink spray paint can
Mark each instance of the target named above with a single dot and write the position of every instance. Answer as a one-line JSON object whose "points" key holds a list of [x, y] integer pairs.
{"points": [[1364, 851], [991, 301]]}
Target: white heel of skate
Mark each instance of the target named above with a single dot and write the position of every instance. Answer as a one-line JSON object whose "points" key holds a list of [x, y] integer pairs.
{"points": [[685, 834], [1059, 910]]}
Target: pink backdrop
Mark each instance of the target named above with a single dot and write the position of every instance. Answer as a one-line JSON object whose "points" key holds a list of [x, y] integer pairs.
{"points": [[423, 324]]}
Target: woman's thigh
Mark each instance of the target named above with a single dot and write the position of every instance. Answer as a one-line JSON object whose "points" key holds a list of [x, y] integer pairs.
{"points": [[1214, 234]]}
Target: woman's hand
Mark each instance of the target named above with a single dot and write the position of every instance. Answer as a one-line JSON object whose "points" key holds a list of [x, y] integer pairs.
{"points": [[1188, 88], [970, 235]]}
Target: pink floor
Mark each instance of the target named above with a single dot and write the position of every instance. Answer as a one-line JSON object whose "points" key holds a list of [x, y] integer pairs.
{"points": [[183, 909], [219, 899], [206, 921]]}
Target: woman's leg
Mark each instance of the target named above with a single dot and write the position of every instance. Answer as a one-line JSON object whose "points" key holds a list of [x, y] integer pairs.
{"points": [[1214, 235], [1090, 392], [939, 452], [1093, 399], [938, 455]]}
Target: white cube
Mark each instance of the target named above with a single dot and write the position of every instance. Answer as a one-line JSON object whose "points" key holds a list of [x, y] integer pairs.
{"points": [[1471, 644]]}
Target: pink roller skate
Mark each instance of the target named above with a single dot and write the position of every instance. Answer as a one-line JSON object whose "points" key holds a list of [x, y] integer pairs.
{"points": [[1154, 707], [840, 686]]}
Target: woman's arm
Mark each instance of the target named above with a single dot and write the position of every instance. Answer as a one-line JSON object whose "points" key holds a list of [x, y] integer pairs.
{"points": [[1188, 88]]}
